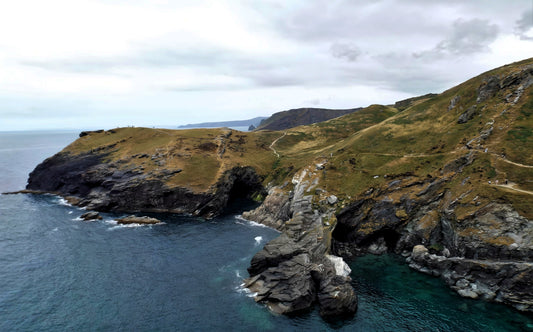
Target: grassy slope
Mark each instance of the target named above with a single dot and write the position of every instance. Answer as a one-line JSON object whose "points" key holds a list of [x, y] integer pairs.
{"points": [[361, 148]]}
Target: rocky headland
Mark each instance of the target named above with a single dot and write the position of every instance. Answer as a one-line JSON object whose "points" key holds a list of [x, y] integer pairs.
{"points": [[443, 180]]}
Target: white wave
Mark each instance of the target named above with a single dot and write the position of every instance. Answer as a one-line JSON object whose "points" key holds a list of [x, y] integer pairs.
{"points": [[63, 201], [77, 219], [251, 223], [70, 212], [258, 240], [55, 229], [118, 226], [243, 290], [238, 274], [111, 221]]}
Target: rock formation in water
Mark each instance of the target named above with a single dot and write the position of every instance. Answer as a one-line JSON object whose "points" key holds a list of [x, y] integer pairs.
{"points": [[295, 271]]}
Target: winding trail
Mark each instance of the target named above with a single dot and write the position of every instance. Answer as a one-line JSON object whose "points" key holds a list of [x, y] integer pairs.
{"points": [[511, 162], [274, 142], [511, 185]]}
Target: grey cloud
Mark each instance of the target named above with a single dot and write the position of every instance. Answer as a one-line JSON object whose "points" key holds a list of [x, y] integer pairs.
{"points": [[142, 58], [345, 51], [466, 37], [524, 24]]}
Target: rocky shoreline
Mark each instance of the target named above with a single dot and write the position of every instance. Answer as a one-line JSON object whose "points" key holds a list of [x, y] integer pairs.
{"points": [[87, 180], [303, 266]]}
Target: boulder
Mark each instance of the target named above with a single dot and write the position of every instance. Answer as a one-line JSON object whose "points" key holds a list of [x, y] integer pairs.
{"points": [[419, 251], [332, 199], [90, 216], [138, 220], [274, 252], [286, 288]]}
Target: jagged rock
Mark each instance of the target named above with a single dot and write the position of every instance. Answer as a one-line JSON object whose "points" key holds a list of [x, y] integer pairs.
{"points": [[453, 102], [273, 253], [138, 220], [286, 288], [89, 216], [490, 86], [468, 114], [297, 258], [341, 268], [274, 211], [332, 199], [336, 297]]}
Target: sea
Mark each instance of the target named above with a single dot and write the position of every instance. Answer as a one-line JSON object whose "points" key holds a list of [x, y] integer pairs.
{"points": [[58, 273]]}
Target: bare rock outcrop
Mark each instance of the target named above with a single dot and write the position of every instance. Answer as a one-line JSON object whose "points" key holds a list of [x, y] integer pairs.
{"points": [[293, 272]]}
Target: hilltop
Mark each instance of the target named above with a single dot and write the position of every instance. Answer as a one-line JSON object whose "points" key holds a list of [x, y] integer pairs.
{"points": [[446, 180], [299, 117]]}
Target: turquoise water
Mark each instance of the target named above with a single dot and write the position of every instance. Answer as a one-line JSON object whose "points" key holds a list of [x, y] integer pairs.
{"points": [[58, 273]]}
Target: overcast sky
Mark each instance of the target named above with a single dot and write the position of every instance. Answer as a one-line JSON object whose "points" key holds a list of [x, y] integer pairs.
{"points": [[104, 64]]}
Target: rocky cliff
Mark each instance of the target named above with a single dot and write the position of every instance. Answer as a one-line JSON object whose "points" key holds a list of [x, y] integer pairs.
{"points": [[446, 182], [295, 270]]}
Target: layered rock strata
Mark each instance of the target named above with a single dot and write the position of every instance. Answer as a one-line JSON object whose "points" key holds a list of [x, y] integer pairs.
{"points": [[486, 253], [294, 272], [89, 181]]}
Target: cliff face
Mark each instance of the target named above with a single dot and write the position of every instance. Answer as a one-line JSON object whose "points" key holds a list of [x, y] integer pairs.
{"points": [[105, 186], [484, 254], [105, 179], [295, 271]]}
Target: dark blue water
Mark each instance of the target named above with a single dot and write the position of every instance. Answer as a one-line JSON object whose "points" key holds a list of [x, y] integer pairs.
{"points": [[58, 273]]}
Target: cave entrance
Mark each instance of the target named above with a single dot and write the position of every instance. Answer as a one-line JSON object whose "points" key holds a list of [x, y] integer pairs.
{"points": [[240, 197]]}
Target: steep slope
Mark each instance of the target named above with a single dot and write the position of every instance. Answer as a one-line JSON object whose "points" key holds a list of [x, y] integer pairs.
{"points": [[299, 117]]}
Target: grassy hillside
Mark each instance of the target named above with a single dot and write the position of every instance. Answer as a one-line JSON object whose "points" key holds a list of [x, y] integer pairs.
{"points": [[489, 117]]}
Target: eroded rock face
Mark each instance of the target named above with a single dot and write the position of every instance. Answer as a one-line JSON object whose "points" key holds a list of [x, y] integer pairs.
{"points": [[484, 255], [293, 272], [107, 186]]}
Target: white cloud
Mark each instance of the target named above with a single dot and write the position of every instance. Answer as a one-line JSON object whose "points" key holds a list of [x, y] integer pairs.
{"points": [[106, 63]]}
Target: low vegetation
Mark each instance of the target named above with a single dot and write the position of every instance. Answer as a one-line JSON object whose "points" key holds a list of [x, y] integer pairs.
{"points": [[365, 149]]}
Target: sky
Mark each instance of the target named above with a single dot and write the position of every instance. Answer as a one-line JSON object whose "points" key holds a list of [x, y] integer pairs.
{"points": [[114, 63]]}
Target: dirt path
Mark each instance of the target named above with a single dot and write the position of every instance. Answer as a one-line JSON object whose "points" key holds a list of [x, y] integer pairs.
{"points": [[511, 185], [274, 142], [511, 162]]}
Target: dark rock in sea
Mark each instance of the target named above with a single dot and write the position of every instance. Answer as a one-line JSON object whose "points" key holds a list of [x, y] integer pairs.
{"points": [[288, 287], [90, 216], [138, 220], [274, 252]]}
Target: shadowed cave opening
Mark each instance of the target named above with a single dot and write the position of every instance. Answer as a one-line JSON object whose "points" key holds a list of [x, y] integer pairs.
{"points": [[345, 234], [240, 197]]}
